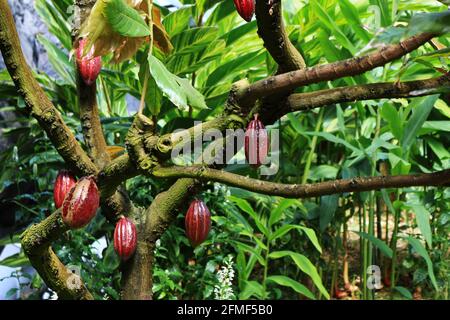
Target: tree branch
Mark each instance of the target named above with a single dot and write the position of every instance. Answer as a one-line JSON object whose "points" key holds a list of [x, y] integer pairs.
{"points": [[37, 238], [276, 40], [87, 97], [159, 216], [409, 89], [37, 103], [36, 241], [168, 142], [307, 190], [90, 123], [289, 81]]}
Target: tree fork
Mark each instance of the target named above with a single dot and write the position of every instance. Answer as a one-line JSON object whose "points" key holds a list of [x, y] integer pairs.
{"points": [[351, 67]]}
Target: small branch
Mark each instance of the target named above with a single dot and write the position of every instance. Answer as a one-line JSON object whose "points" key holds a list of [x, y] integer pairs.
{"points": [[311, 100], [168, 142], [276, 40], [91, 125], [84, 7], [87, 97], [117, 171], [36, 242], [37, 103], [144, 92], [306, 190], [289, 81], [150, 50]]}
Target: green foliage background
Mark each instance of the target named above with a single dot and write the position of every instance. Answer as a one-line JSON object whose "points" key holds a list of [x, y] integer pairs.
{"points": [[282, 249]]}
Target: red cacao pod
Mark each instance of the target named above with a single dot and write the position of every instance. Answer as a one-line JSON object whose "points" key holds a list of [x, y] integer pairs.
{"points": [[197, 222], [81, 203], [125, 238], [256, 143], [88, 66], [64, 182], [245, 8]]}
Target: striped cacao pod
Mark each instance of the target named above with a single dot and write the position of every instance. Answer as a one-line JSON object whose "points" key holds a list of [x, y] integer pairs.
{"points": [[245, 8], [256, 143], [64, 182], [125, 238], [88, 66], [81, 203], [197, 222]]}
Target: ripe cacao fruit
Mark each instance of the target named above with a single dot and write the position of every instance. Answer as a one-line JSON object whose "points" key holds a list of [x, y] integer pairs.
{"points": [[256, 143], [88, 66], [125, 238], [81, 203], [245, 8], [197, 222], [64, 182]]}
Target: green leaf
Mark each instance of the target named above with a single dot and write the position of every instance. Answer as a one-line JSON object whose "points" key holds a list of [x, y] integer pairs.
{"points": [[193, 40], [334, 139], [15, 261], [420, 249], [351, 14], [246, 207], [254, 237], [111, 259], [328, 207], [404, 292], [311, 234], [398, 165], [323, 172], [125, 20], [276, 213], [176, 21], [179, 91], [10, 239], [390, 114], [382, 6], [432, 126], [384, 248], [288, 282], [305, 265], [59, 60], [232, 68], [56, 23], [11, 292], [438, 148], [443, 107], [279, 232], [252, 288], [433, 22], [153, 98], [251, 250], [423, 222], [421, 109], [329, 23]]}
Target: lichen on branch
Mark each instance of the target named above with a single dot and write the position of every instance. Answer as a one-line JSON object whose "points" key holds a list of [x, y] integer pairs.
{"points": [[36, 243], [36, 101], [358, 184]]}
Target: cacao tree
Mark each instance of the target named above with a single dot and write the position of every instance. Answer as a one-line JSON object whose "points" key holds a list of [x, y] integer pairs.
{"points": [[167, 69]]}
